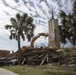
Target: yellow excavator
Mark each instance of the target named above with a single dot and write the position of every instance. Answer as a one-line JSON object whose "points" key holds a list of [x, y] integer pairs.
{"points": [[36, 37]]}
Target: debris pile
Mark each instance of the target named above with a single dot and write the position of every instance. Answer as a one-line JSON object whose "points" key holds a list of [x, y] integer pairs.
{"points": [[41, 56]]}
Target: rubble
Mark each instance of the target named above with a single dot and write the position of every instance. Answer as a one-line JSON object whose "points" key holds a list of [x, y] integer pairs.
{"points": [[41, 56]]}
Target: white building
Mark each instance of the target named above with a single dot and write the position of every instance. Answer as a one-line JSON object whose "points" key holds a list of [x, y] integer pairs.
{"points": [[54, 38]]}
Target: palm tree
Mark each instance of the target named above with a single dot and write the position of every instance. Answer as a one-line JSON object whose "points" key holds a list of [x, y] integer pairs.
{"points": [[68, 27], [20, 26]]}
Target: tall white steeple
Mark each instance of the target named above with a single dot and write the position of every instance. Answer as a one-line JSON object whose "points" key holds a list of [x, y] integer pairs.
{"points": [[54, 40]]}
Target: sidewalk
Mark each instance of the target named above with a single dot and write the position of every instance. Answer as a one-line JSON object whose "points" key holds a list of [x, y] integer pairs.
{"points": [[6, 72]]}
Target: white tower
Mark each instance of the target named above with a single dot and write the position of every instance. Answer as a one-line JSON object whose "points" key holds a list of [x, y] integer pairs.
{"points": [[54, 39]]}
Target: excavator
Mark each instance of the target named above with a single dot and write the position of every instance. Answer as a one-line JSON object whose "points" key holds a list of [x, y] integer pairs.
{"points": [[37, 36]]}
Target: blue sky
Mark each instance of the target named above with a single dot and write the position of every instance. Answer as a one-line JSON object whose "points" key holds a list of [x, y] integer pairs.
{"points": [[40, 10]]}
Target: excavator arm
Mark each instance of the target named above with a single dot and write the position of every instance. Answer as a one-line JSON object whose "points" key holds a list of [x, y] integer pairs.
{"points": [[36, 37]]}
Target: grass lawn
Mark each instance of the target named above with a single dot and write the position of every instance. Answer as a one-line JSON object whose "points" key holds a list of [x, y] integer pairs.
{"points": [[42, 70]]}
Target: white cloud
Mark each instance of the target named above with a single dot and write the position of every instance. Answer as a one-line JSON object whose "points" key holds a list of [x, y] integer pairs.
{"points": [[41, 10]]}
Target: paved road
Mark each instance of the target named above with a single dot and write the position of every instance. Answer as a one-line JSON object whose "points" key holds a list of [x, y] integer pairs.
{"points": [[6, 72]]}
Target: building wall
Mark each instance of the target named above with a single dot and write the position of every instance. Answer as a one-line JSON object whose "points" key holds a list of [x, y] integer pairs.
{"points": [[51, 33], [54, 40], [4, 53]]}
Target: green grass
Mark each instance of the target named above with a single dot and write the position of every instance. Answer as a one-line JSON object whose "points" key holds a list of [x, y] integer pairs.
{"points": [[42, 70]]}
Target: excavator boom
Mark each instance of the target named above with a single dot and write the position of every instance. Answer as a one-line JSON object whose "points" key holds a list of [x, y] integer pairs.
{"points": [[36, 37]]}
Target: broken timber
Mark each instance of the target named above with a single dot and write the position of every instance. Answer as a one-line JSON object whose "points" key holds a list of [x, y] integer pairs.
{"points": [[37, 56]]}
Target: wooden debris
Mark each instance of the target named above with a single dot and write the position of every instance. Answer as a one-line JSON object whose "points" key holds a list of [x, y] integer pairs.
{"points": [[43, 60], [40, 56]]}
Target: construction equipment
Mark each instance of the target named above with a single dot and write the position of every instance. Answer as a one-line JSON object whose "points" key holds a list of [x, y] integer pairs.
{"points": [[37, 36]]}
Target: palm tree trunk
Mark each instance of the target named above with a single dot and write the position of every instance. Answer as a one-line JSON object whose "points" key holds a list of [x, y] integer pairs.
{"points": [[19, 45], [19, 49]]}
